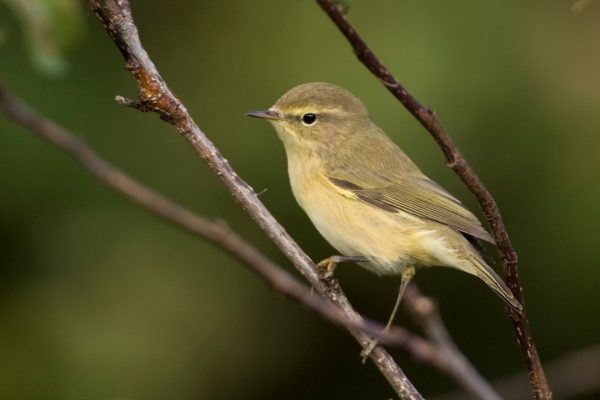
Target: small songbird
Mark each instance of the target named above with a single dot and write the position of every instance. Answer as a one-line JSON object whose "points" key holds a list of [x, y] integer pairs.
{"points": [[366, 197]]}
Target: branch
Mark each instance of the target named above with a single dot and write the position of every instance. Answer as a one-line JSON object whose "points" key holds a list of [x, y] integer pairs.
{"points": [[425, 313], [573, 375], [154, 95], [459, 165]]}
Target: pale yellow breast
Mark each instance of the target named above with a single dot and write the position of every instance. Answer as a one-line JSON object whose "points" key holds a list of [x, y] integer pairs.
{"points": [[391, 240]]}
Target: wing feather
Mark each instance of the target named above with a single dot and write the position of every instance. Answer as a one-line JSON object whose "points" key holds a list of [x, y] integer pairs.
{"points": [[420, 196]]}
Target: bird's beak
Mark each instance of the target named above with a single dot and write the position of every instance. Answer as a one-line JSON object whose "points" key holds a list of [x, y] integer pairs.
{"points": [[267, 114]]}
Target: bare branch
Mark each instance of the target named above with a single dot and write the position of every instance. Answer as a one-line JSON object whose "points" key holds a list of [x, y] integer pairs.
{"points": [[154, 95], [572, 375], [425, 312], [458, 164]]}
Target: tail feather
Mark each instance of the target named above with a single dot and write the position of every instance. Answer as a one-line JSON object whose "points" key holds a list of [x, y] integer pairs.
{"points": [[491, 278]]}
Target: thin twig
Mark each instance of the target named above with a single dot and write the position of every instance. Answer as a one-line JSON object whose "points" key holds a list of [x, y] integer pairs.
{"points": [[459, 165], [154, 95], [425, 313]]}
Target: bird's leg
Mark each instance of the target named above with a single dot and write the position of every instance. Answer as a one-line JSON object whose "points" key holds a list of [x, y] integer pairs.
{"points": [[405, 279]]}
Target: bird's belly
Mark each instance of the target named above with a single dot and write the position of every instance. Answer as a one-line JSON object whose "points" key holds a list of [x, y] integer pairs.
{"points": [[391, 241]]}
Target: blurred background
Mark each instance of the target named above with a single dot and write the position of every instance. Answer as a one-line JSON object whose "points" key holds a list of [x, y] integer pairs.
{"points": [[101, 300]]}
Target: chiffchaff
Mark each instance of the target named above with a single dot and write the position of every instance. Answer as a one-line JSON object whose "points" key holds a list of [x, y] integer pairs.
{"points": [[366, 197]]}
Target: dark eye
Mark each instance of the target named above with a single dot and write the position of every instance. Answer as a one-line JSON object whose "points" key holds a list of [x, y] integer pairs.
{"points": [[309, 119]]}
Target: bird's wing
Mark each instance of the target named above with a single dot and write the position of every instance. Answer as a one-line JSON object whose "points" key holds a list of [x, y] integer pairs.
{"points": [[417, 195]]}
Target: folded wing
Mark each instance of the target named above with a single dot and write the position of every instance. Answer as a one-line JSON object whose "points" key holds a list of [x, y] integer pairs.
{"points": [[417, 195]]}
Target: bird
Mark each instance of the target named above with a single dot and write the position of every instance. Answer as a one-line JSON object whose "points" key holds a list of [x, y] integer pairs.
{"points": [[367, 198]]}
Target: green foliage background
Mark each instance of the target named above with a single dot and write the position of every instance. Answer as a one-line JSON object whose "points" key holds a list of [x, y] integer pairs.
{"points": [[100, 300]]}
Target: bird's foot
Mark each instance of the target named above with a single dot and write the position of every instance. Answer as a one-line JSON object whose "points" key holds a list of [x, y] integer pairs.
{"points": [[327, 266], [366, 352]]}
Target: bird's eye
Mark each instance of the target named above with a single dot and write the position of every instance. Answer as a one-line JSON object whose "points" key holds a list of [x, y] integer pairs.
{"points": [[309, 119]]}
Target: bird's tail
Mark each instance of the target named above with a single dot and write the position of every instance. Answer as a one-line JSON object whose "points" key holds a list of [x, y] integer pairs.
{"points": [[491, 278]]}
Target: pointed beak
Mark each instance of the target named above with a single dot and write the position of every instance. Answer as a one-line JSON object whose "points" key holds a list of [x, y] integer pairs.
{"points": [[267, 114]]}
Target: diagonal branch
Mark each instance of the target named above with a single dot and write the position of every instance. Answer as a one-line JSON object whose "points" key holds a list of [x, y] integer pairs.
{"points": [[459, 165], [573, 376], [154, 95], [216, 232], [425, 313]]}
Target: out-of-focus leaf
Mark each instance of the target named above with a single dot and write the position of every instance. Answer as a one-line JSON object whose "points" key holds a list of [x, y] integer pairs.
{"points": [[52, 28]]}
